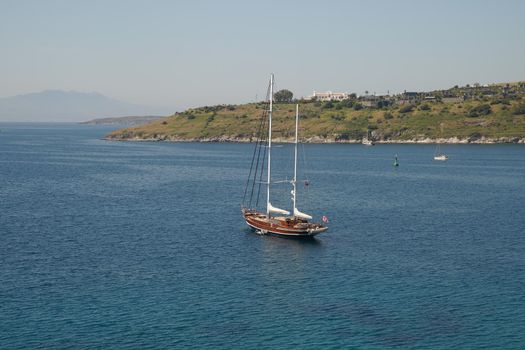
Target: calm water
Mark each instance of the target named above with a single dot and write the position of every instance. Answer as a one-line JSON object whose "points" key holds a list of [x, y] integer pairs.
{"points": [[142, 246]]}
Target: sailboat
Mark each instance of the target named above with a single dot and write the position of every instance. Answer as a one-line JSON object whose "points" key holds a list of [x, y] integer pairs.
{"points": [[438, 155], [367, 141], [275, 220]]}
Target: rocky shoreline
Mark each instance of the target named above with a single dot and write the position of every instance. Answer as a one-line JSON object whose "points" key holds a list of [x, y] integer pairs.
{"points": [[319, 140]]}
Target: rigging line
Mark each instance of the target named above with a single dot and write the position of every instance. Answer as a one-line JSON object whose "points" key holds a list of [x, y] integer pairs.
{"points": [[251, 168], [262, 169], [282, 181], [259, 141], [264, 138], [258, 146], [253, 158], [305, 167], [256, 149], [276, 182]]}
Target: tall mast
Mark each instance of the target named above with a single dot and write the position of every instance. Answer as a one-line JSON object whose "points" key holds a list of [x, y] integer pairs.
{"points": [[294, 182], [269, 147]]}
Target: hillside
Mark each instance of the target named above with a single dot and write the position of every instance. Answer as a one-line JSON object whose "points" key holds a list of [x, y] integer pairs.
{"points": [[479, 118]]}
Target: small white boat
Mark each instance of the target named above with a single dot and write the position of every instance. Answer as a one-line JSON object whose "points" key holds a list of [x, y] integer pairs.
{"points": [[367, 141], [438, 155]]}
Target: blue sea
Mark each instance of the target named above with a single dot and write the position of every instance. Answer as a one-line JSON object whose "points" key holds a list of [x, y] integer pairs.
{"points": [[120, 245]]}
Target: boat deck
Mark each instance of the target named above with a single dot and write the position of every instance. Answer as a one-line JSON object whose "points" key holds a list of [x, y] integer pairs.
{"points": [[282, 225]]}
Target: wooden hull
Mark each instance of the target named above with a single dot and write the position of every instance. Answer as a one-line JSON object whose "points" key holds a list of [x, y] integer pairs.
{"points": [[282, 226]]}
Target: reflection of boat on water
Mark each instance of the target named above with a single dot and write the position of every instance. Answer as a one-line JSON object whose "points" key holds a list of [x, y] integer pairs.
{"points": [[297, 224], [438, 155]]}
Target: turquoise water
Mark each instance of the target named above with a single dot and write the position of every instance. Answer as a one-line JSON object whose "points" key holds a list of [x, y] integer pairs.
{"points": [[142, 246]]}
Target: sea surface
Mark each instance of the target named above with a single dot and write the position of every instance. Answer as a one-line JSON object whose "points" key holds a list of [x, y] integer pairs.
{"points": [[117, 245]]}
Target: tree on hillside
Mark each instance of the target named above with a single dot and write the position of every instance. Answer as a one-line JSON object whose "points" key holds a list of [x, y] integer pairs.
{"points": [[328, 104], [519, 109], [406, 109], [348, 103], [283, 96]]}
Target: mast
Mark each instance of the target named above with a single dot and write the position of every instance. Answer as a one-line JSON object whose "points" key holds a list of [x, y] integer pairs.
{"points": [[269, 148], [294, 181]]}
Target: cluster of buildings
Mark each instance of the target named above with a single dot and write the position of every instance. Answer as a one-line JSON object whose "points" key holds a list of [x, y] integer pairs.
{"points": [[455, 94], [374, 101], [329, 96], [367, 100]]}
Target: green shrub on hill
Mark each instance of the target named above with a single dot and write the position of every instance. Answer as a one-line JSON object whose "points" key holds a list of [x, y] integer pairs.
{"points": [[406, 109], [346, 103], [328, 105], [388, 115], [384, 104], [483, 109], [503, 101], [519, 109]]}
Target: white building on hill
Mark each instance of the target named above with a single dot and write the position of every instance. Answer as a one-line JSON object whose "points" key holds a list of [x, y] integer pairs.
{"points": [[329, 96]]}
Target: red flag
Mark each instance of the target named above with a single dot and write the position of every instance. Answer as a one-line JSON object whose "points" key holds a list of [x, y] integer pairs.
{"points": [[325, 218]]}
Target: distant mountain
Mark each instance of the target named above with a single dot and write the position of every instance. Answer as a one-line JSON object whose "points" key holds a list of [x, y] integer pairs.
{"points": [[130, 121], [67, 106]]}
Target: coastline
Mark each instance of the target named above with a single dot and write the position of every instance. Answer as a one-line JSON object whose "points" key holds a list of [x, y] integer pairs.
{"points": [[329, 140]]}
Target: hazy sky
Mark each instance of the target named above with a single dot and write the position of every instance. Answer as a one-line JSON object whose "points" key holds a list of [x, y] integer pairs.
{"points": [[178, 54]]}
